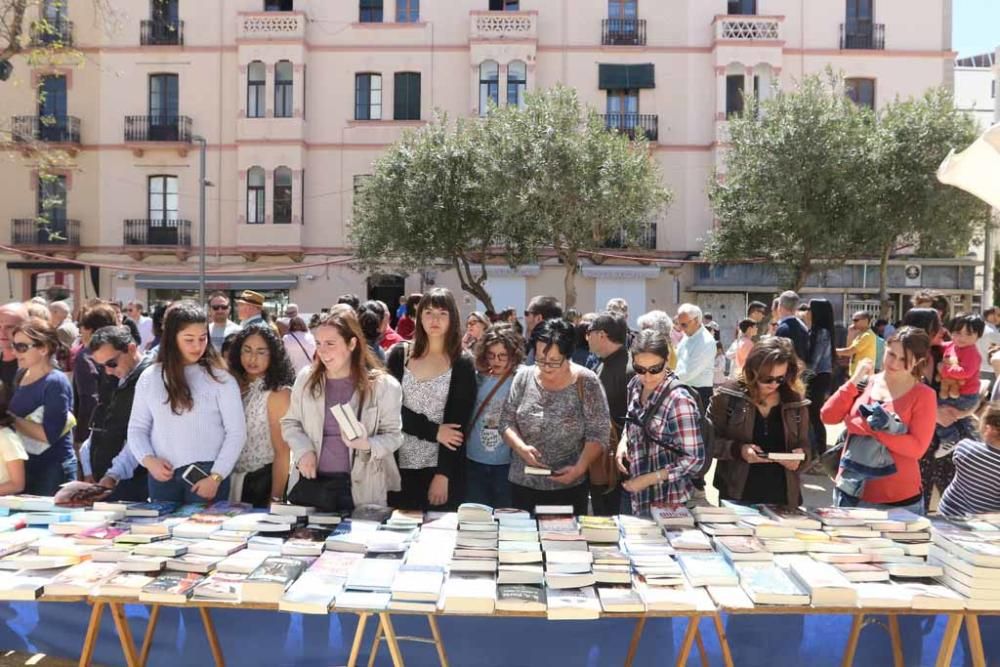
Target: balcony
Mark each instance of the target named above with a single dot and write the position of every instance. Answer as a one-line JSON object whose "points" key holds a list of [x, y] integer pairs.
{"points": [[162, 33], [634, 124], [158, 233], [623, 32], [53, 129], [862, 35], [52, 34], [747, 28], [38, 232], [286, 26], [503, 25], [143, 129], [646, 239]]}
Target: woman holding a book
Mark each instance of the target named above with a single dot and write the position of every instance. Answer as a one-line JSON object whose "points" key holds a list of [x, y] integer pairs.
{"points": [[662, 450], [556, 420], [761, 425], [439, 392], [343, 421], [187, 425], [258, 360]]}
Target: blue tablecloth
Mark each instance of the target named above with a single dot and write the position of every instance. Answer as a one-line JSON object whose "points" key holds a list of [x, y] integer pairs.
{"points": [[277, 639]]}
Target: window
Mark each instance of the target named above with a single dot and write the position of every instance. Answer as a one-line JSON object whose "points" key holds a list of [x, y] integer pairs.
{"points": [[368, 97], [622, 9], [742, 7], [255, 196], [407, 11], [52, 123], [505, 5], [406, 102], [278, 5], [993, 88], [162, 198], [165, 13], [163, 107], [517, 83], [860, 11], [54, 12], [622, 108], [735, 84], [52, 198], [282, 196], [489, 86], [256, 86], [283, 89], [861, 91], [370, 11]]}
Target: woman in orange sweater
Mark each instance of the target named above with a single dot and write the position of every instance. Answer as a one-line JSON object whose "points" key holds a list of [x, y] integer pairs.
{"points": [[899, 388]]}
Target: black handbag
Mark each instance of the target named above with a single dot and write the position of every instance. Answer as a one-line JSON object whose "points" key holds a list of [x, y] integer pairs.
{"points": [[257, 487], [830, 459], [329, 493]]}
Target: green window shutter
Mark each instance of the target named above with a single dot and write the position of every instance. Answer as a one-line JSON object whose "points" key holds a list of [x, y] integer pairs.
{"points": [[626, 77], [406, 105]]}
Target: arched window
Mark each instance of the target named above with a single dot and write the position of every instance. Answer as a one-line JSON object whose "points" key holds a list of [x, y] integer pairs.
{"points": [[256, 82], [489, 85], [255, 196], [517, 83], [282, 196], [283, 89]]}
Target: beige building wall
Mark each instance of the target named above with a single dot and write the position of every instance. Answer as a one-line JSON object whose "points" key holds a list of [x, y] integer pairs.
{"points": [[692, 45]]}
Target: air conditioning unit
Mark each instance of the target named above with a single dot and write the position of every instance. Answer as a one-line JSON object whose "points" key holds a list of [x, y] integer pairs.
{"points": [[912, 274]]}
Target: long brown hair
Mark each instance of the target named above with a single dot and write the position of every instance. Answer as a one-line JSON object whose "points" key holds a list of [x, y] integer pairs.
{"points": [[171, 360], [439, 297], [365, 366], [916, 346], [765, 355]]}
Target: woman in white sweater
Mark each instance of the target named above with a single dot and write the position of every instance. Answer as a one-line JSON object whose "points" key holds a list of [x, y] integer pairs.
{"points": [[341, 472], [187, 411]]}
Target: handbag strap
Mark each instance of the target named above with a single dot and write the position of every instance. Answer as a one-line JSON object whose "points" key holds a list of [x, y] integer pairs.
{"points": [[489, 397], [301, 346]]}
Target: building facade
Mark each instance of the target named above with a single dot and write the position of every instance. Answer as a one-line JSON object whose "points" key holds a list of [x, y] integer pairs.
{"points": [[976, 87], [295, 99]]}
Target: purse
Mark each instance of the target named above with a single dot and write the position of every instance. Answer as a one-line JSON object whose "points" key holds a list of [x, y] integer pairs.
{"points": [[830, 459], [329, 493], [604, 470]]}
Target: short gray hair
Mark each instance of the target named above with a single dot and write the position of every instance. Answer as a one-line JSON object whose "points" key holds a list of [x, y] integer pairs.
{"points": [[789, 300], [60, 306], [617, 305], [691, 310], [657, 320]]}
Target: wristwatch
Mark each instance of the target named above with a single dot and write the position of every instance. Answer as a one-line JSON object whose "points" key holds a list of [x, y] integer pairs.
{"points": [[216, 477]]}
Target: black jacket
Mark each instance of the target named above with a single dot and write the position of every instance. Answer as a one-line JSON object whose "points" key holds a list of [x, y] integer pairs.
{"points": [[615, 372], [109, 425], [457, 408]]}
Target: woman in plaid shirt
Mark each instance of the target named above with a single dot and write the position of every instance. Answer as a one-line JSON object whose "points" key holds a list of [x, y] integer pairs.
{"points": [[662, 448]]}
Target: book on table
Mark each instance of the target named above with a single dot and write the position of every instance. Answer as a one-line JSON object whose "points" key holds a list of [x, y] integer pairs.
{"points": [[914, 570], [708, 569], [29, 559], [289, 509], [863, 572], [268, 582], [311, 594], [522, 598], [123, 584], [766, 583], [826, 586], [26, 584], [373, 574], [930, 595], [620, 600], [519, 552], [553, 510], [219, 548], [689, 540], [677, 516], [469, 594], [324, 519], [417, 584], [576, 604], [170, 587], [729, 597], [742, 549], [194, 563], [361, 600], [305, 541], [568, 561], [139, 563], [612, 574], [244, 562], [475, 513], [168, 548], [221, 587], [151, 509], [792, 517], [667, 598], [521, 574], [718, 529], [112, 553], [883, 596], [560, 580]]}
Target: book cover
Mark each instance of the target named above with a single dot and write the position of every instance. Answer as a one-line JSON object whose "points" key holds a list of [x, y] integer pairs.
{"points": [[708, 569], [151, 509], [572, 604], [769, 584], [80, 579], [350, 427], [520, 598], [220, 587]]}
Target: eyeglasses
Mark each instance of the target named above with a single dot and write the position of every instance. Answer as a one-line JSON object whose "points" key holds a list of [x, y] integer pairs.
{"points": [[652, 370], [24, 347], [551, 364], [222, 306], [502, 356], [772, 380]]}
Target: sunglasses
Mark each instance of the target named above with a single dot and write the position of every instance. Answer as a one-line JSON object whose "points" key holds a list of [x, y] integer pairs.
{"points": [[652, 370], [24, 347], [220, 307], [528, 313], [774, 379], [111, 363]]}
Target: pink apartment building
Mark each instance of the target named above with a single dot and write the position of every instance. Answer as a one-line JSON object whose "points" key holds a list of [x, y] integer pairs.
{"points": [[296, 98]]}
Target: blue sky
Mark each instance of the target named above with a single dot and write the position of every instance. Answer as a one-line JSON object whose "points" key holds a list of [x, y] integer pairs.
{"points": [[976, 25]]}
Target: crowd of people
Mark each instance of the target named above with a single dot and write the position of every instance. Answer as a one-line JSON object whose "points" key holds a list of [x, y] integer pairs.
{"points": [[419, 409]]}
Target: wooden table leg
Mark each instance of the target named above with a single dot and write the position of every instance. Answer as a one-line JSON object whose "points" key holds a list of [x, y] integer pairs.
{"points": [[897, 642], [376, 644], [436, 634], [390, 639], [720, 630], [949, 640], [359, 634], [688, 641], [147, 640], [852, 640], [93, 629], [124, 633], [701, 646], [633, 645], [975, 640], [213, 639]]}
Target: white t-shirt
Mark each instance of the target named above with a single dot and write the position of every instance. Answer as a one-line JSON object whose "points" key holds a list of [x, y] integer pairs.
{"points": [[11, 449], [990, 337]]}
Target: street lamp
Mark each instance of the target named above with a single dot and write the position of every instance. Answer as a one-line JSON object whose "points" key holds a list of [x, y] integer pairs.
{"points": [[202, 184]]}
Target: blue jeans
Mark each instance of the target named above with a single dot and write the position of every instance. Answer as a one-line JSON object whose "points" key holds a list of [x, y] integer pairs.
{"points": [[844, 500], [963, 427], [177, 490], [43, 477], [487, 484]]}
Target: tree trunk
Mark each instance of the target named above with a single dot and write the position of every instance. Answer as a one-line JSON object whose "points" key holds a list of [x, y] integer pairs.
{"points": [[802, 271], [472, 285], [883, 282], [571, 264]]}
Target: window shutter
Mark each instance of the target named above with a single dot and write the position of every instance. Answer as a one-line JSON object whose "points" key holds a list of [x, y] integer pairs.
{"points": [[406, 102], [626, 77]]}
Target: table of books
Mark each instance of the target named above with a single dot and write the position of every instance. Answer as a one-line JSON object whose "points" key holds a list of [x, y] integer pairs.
{"points": [[729, 585]]}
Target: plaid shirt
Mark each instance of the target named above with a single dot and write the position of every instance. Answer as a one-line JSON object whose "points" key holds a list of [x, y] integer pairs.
{"points": [[671, 441]]}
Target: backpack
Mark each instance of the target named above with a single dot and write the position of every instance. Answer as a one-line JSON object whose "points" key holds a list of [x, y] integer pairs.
{"points": [[704, 421]]}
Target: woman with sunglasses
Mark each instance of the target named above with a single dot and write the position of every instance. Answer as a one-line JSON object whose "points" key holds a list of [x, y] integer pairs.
{"points": [[42, 389], [662, 450], [761, 412]]}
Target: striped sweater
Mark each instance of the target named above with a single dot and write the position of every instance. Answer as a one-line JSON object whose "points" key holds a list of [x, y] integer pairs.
{"points": [[974, 488]]}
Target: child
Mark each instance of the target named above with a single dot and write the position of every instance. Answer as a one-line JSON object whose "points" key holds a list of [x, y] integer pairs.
{"points": [[959, 370], [741, 346], [719, 368], [977, 467]]}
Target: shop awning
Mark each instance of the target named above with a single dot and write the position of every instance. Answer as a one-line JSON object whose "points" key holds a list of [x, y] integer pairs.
{"points": [[220, 282], [624, 77]]}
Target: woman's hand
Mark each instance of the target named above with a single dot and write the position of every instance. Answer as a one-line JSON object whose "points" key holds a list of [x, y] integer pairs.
{"points": [[621, 458], [751, 454], [568, 475], [862, 371], [792, 465], [360, 444], [206, 488], [160, 469], [307, 465], [639, 483], [530, 455], [450, 435], [437, 494]]}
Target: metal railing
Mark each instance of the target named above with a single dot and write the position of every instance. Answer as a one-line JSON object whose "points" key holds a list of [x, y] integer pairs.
{"points": [[645, 240], [56, 129], [38, 231], [161, 33], [158, 232], [634, 124], [158, 128], [52, 33], [623, 32], [862, 35]]}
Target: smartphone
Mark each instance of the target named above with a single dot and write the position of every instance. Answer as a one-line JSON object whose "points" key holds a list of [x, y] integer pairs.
{"points": [[193, 474]]}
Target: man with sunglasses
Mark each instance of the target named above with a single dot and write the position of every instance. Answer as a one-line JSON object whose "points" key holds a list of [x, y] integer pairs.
{"points": [[103, 455], [221, 326]]}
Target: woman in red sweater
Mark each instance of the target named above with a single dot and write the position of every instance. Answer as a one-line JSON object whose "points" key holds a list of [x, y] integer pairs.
{"points": [[899, 388]]}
